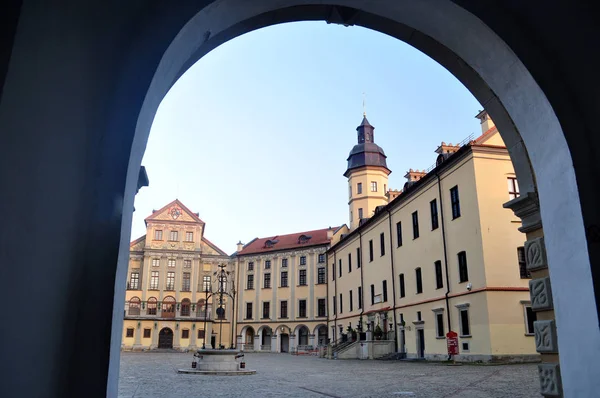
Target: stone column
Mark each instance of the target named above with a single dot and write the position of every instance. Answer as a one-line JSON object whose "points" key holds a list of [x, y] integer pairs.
{"points": [[274, 342], [193, 337], [208, 334], [154, 332], [176, 336], [527, 208], [240, 344], [292, 342], [311, 340], [257, 342], [137, 345]]}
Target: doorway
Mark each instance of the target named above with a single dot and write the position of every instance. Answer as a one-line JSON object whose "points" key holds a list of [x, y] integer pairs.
{"points": [[285, 342], [165, 338], [420, 343], [213, 341]]}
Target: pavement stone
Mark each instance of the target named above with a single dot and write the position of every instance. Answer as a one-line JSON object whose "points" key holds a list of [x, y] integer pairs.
{"points": [[151, 374]]}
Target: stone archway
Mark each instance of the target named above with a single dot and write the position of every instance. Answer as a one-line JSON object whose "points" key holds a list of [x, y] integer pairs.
{"points": [[320, 333], [165, 338], [133, 67]]}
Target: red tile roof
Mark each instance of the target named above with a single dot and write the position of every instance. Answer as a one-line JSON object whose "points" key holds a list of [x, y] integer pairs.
{"points": [[286, 242]]}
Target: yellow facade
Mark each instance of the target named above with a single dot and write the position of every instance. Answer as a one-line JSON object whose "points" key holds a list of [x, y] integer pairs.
{"points": [[411, 284], [170, 277]]}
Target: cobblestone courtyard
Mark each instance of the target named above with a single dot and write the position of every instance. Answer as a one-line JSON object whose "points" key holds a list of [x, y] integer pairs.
{"points": [[284, 375]]}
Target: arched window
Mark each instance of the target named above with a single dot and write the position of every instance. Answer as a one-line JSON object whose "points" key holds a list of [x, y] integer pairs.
{"points": [[168, 307], [152, 306], [134, 306], [185, 307]]}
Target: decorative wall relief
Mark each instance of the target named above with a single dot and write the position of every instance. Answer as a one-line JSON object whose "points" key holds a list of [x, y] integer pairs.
{"points": [[545, 336], [541, 294], [549, 374], [535, 253]]}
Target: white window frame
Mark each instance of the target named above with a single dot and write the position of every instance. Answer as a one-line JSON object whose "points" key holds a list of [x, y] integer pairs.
{"points": [[156, 262], [436, 312], [526, 304], [464, 307]]}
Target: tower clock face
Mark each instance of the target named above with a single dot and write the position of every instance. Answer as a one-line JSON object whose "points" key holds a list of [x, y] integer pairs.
{"points": [[175, 212]]}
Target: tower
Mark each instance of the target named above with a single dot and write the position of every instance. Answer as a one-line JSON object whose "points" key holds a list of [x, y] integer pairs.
{"points": [[367, 175]]}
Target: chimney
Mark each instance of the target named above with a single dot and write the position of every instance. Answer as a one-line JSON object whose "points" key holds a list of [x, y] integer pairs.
{"points": [[414, 175], [329, 233], [485, 120], [240, 246]]}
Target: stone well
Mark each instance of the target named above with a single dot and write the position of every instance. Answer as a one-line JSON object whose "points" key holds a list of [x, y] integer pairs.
{"points": [[218, 362]]}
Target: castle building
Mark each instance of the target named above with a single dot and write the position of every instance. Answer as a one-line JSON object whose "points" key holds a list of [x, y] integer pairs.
{"points": [[443, 255], [283, 290], [172, 297]]}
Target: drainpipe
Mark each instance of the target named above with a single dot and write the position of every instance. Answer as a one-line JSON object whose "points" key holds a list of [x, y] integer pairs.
{"points": [[337, 310], [393, 281], [445, 255], [362, 286]]}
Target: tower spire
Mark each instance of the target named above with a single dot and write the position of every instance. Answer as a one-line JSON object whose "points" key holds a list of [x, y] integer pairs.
{"points": [[364, 106]]}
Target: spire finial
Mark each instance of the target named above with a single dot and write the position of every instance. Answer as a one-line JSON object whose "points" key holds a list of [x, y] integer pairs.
{"points": [[364, 107]]}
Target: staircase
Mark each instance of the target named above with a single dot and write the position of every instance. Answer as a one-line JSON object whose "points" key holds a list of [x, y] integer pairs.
{"points": [[339, 347]]}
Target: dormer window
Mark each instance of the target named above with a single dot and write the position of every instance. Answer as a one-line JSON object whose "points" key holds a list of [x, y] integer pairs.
{"points": [[303, 238], [270, 243]]}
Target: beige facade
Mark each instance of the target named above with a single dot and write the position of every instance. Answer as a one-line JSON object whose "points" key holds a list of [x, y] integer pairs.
{"points": [[283, 291], [170, 281], [443, 255]]}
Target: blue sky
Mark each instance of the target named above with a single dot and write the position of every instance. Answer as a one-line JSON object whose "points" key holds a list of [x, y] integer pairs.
{"points": [[255, 136]]}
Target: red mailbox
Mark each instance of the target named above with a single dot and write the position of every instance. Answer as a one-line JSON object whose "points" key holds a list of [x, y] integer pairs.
{"points": [[452, 342]]}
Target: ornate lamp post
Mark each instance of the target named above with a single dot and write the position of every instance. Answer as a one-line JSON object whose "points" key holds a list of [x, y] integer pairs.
{"points": [[222, 276]]}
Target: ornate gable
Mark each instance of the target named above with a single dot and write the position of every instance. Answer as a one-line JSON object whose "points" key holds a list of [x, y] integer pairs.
{"points": [[210, 248], [176, 212], [138, 245]]}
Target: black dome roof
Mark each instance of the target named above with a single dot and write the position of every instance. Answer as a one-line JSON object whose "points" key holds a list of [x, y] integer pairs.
{"points": [[366, 152]]}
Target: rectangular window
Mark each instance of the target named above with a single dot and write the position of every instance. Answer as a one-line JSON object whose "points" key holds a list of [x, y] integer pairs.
{"points": [[154, 280], [465, 329], [384, 286], [185, 282], [513, 188], [334, 303], [382, 243], [206, 283], [434, 214], [419, 316], [439, 324], [251, 266], [351, 304], [248, 310], [174, 236], [523, 272], [171, 263], [267, 264], [129, 332], [372, 294], [283, 309], [350, 191], [373, 186], [147, 333], [187, 263], [284, 262], [349, 262], [439, 281], [419, 280], [201, 334], [170, 281], [156, 262], [463, 272], [321, 307], [455, 200], [189, 236], [371, 250], [530, 317], [266, 310], [302, 309], [359, 297], [333, 272], [402, 291], [284, 279], [360, 214], [321, 278], [399, 233], [134, 282], [302, 260], [267, 281], [185, 333], [358, 257], [340, 267], [415, 220], [341, 304], [250, 282], [158, 234], [321, 258], [359, 188], [302, 278]]}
